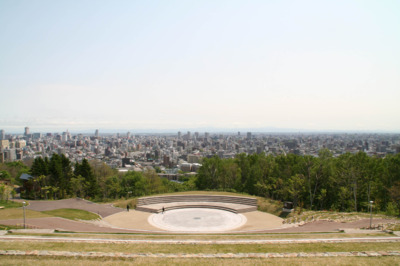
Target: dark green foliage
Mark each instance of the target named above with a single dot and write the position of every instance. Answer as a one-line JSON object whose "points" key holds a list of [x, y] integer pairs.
{"points": [[208, 174], [345, 183], [14, 170], [4, 175], [85, 170], [39, 167]]}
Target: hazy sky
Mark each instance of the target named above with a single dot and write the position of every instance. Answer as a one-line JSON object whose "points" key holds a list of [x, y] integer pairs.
{"points": [[313, 65]]}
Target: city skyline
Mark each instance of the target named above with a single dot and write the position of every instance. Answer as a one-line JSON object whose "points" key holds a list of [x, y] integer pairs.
{"points": [[201, 131], [314, 66]]}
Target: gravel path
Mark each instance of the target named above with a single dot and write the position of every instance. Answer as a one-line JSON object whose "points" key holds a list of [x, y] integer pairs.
{"points": [[65, 225], [140, 225], [200, 242], [44, 253]]}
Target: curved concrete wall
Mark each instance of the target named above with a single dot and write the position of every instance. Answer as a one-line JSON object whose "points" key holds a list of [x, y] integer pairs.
{"points": [[230, 203]]}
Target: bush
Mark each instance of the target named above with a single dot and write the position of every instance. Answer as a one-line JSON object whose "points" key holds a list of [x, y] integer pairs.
{"points": [[391, 209]]}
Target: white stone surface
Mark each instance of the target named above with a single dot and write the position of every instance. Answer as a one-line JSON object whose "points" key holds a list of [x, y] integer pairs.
{"points": [[197, 220]]}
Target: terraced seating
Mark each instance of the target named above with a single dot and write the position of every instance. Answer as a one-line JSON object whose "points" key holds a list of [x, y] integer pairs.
{"points": [[227, 203]]}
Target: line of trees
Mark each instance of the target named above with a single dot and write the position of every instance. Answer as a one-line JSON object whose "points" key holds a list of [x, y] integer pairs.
{"points": [[58, 178], [346, 183]]}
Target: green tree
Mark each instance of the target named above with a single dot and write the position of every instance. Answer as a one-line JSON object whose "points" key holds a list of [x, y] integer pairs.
{"points": [[113, 187], [56, 174], [295, 188], [207, 177], [135, 183], [4, 175], [317, 170], [154, 184], [394, 193], [102, 173], [228, 175], [39, 167], [5, 192], [79, 186], [85, 170]]}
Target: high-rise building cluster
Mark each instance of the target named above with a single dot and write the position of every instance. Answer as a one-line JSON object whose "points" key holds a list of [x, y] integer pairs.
{"points": [[174, 152]]}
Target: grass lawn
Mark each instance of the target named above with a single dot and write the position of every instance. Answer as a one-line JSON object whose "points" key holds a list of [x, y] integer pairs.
{"points": [[73, 214], [198, 248], [32, 260], [6, 214], [10, 204]]}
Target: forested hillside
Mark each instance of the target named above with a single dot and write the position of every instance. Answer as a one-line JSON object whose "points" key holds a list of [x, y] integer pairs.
{"points": [[57, 178], [345, 183]]}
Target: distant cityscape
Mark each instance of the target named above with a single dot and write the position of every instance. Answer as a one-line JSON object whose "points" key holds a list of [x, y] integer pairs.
{"points": [[184, 151]]}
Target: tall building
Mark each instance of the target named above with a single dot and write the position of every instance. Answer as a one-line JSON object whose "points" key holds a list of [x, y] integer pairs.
{"points": [[4, 144], [248, 135], [26, 131], [37, 136], [64, 136], [10, 155], [179, 135], [2, 134], [96, 133], [20, 144]]}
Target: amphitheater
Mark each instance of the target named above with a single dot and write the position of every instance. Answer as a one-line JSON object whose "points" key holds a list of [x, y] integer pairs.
{"points": [[226, 203], [184, 213], [196, 213]]}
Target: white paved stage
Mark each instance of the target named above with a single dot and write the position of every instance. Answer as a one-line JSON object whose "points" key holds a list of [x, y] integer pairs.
{"points": [[197, 220]]}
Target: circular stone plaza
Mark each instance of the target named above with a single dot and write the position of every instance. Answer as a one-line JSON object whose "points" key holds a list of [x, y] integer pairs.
{"points": [[195, 214]]}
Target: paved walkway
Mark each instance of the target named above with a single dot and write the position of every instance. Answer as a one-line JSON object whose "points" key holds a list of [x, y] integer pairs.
{"points": [[201, 242], [62, 224], [117, 220], [136, 222], [103, 210]]}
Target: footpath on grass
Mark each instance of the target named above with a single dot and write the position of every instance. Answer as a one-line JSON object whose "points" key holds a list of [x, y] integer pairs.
{"points": [[49, 253]]}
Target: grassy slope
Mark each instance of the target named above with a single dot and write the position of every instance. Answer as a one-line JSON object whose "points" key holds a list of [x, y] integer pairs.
{"points": [[33, 260], [198, 248], [10, 204], [73, 214], [17, 213]]}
